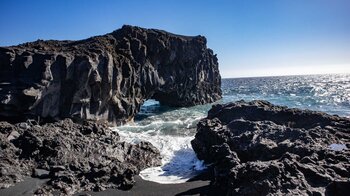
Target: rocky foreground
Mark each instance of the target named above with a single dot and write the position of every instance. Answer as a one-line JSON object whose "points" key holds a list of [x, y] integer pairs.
{"points": [[73, 157], [106, 77], [256, 148]]}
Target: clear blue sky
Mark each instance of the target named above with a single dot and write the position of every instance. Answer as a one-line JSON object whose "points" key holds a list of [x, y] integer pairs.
{"points": [[251, 38]]}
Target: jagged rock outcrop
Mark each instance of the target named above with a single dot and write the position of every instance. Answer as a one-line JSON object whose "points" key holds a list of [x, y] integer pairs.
{"points": [[73, 157], [106, 77], [256, 148]]}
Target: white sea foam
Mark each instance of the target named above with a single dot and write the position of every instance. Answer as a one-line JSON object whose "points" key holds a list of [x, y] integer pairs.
{"points": [[179, 162], [171, 130]]}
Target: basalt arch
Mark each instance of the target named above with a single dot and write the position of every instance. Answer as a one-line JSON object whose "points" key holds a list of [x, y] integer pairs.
{"points": [[106, 77]]}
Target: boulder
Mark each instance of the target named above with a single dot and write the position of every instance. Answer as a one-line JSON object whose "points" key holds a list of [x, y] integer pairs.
{"points": [[257, 148], [106, 77]]}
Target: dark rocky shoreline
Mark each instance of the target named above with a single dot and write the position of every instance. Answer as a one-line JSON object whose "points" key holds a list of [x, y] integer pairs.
{"points": [[73, 157], [57, 97], [253, 148], [46, 85], [256, 148]]}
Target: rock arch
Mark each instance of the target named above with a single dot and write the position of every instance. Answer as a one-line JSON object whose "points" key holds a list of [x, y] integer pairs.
{"points": [[106, 77]]}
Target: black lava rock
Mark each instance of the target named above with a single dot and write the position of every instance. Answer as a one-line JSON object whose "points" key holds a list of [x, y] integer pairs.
{"points": [[106, 77], [256, 148], [74, 157]]}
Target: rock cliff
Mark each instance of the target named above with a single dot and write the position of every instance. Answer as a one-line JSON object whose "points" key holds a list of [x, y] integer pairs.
{"points": [[256, 148], [106, 77]]}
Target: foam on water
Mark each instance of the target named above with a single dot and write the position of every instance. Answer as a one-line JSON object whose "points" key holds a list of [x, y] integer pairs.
{"points": [[172, 129], [179, 162]]}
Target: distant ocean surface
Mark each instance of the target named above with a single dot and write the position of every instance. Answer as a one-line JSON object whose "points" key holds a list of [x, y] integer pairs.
{"points": [[172, 129]]}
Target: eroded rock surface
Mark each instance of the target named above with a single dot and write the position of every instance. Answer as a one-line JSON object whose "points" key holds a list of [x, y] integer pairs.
{"points": [[106, 77], [257, 148], [74, 157]]}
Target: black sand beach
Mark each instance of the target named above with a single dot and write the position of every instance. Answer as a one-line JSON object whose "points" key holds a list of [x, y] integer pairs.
{"points": [[199, 186], [142, 187]]}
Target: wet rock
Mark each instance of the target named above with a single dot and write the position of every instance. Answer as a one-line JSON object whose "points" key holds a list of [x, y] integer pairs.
{"points": [[256, 148], [106, 77], [74, 157]]}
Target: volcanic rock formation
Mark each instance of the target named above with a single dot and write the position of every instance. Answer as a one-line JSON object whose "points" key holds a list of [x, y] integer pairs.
{"points": [[256, 148], [73, 157], [106, 77]]}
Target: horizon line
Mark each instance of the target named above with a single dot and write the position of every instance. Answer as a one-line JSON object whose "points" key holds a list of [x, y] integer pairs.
{"points": [[265, 76]]}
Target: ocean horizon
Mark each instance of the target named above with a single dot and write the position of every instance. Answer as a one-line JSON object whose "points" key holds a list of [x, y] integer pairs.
{"points": [[287, 75]]}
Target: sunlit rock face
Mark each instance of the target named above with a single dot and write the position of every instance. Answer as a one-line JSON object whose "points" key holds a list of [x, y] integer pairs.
{"points": [[106, 77]]}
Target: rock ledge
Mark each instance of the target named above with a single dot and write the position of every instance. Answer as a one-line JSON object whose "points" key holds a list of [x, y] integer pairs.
{"points": [[256, 148]]}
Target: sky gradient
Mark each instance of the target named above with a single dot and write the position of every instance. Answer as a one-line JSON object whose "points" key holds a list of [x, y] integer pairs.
{"points": [[251, 37]]}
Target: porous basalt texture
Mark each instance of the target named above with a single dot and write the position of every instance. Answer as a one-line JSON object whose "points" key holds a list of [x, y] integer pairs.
{"points": [[73, 157], [106, 77], [256, 148]]}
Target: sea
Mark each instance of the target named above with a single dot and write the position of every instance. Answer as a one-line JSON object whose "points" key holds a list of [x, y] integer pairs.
{"points": [[172, 129]]}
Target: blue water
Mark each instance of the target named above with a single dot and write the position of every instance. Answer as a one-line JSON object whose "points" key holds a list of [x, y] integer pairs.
{"points": [[327, 93], [172, 129]]}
